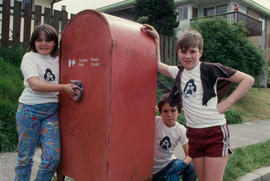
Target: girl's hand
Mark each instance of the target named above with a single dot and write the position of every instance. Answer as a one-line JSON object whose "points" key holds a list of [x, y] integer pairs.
{"points": [[70, 89], [150, 30]]}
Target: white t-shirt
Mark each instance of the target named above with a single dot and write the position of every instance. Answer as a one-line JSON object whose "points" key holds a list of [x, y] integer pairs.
{"points": [[47, 69], [196, 114], [166, 140]]}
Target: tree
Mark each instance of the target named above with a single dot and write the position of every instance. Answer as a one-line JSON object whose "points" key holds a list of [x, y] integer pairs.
{"points": [[161, 14], [227, 43]]}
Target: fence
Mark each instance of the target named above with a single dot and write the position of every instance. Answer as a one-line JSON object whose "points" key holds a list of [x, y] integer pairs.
{"points": [[168, 50], [17, 26]]}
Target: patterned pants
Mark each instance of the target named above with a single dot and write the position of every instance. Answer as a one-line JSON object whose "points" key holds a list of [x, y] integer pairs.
{"points": [[37, 124]]}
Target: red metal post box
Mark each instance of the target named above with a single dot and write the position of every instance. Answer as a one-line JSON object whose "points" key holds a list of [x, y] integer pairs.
{"points": [[109, 134]]}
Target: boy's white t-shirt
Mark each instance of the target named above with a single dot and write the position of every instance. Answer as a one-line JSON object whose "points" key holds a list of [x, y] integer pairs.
{"points": [[196, 114], [46, 68], [166, 141]]}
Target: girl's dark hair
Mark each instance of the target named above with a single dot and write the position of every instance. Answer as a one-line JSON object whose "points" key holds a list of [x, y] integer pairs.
{"points": [[165, 98], [51, 34]]}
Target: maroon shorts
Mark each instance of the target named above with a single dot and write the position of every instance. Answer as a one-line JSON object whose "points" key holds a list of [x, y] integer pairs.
{"points": [[210, 142]]}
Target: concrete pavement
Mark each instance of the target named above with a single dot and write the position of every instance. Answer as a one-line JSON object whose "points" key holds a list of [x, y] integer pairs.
{"points": [[241, 135]]}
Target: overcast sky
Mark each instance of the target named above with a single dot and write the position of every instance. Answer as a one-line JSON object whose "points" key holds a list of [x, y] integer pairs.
{"points": [[74, 6]]}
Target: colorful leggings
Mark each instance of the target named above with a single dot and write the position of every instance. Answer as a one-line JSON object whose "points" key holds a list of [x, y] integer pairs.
{"points": [[37, 124]]}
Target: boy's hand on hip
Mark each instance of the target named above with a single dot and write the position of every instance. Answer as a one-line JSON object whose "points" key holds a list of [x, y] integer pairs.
{"points": [[223, 106]]}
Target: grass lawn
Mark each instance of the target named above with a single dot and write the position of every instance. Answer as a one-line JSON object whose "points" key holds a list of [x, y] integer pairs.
{"points": [[255, 105], [247, 159]]}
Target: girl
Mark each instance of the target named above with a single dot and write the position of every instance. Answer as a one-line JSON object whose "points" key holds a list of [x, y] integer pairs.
{"points": [[196, 89], [37, 114]]}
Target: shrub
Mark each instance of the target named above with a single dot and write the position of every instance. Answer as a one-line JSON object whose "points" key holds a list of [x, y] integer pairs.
{"points": [[227, 43], [11, 86], [8, 133], [233, 117], [11, 81], [181, 119], [13, 56], [160, 14], [268, 80]]}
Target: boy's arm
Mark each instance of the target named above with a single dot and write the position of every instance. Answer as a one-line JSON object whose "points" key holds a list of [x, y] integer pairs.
{"points": [[162, 67], [187, 158], [245, 82]]}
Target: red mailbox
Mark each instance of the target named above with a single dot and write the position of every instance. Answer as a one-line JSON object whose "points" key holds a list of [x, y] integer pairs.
{"points": [[108, 135]]}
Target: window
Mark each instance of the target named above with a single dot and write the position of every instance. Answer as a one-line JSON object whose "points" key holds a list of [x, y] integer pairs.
{"points": [[215, 10], [194, 13], [209, 11], [27, 1], [183, 13], [221, 9]]}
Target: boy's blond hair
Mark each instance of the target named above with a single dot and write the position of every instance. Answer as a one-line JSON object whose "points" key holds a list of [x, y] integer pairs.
{"points": [[188, 39]]}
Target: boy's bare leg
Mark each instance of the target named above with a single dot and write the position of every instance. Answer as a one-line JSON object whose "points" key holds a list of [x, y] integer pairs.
{"points": [[199, 167], [210, 168], [214, 168]]}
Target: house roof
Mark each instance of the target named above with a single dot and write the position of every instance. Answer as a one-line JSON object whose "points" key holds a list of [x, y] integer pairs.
{"points": [[257, 6], [127, 4]]}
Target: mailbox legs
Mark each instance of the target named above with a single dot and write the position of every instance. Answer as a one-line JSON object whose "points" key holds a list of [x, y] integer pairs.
{"points": [[60, 177]]}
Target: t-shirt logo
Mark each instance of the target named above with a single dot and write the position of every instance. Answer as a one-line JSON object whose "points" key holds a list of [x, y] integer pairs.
{"points": [[49, 76], [190, 88], [165, 143]]}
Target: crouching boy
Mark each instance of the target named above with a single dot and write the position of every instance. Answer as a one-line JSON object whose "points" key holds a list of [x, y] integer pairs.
{"points": [[168, 134]]}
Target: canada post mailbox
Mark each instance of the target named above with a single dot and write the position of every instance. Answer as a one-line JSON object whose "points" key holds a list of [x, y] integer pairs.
{"points": [[109, 134]]}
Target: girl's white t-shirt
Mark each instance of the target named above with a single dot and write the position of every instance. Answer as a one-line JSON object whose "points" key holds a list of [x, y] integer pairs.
{"points": [[46, 68]]}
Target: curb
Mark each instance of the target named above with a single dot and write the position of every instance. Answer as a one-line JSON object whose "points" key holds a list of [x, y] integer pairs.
{"points": [[262, 174]]}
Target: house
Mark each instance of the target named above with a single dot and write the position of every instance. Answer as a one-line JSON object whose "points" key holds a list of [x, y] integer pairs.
{"points": [[42, 3], [255, 16]]}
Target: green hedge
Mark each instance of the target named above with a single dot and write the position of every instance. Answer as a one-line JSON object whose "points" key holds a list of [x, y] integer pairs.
{"points": [[227, 43], [11, 86], [13, 56], [8, 132]]}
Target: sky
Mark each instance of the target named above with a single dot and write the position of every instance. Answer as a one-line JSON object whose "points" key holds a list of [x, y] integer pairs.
{"points": [[265, 3], [75, 6]]}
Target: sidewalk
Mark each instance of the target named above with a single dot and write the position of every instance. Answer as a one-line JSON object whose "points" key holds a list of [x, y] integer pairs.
{"points": [[241, 135]]}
